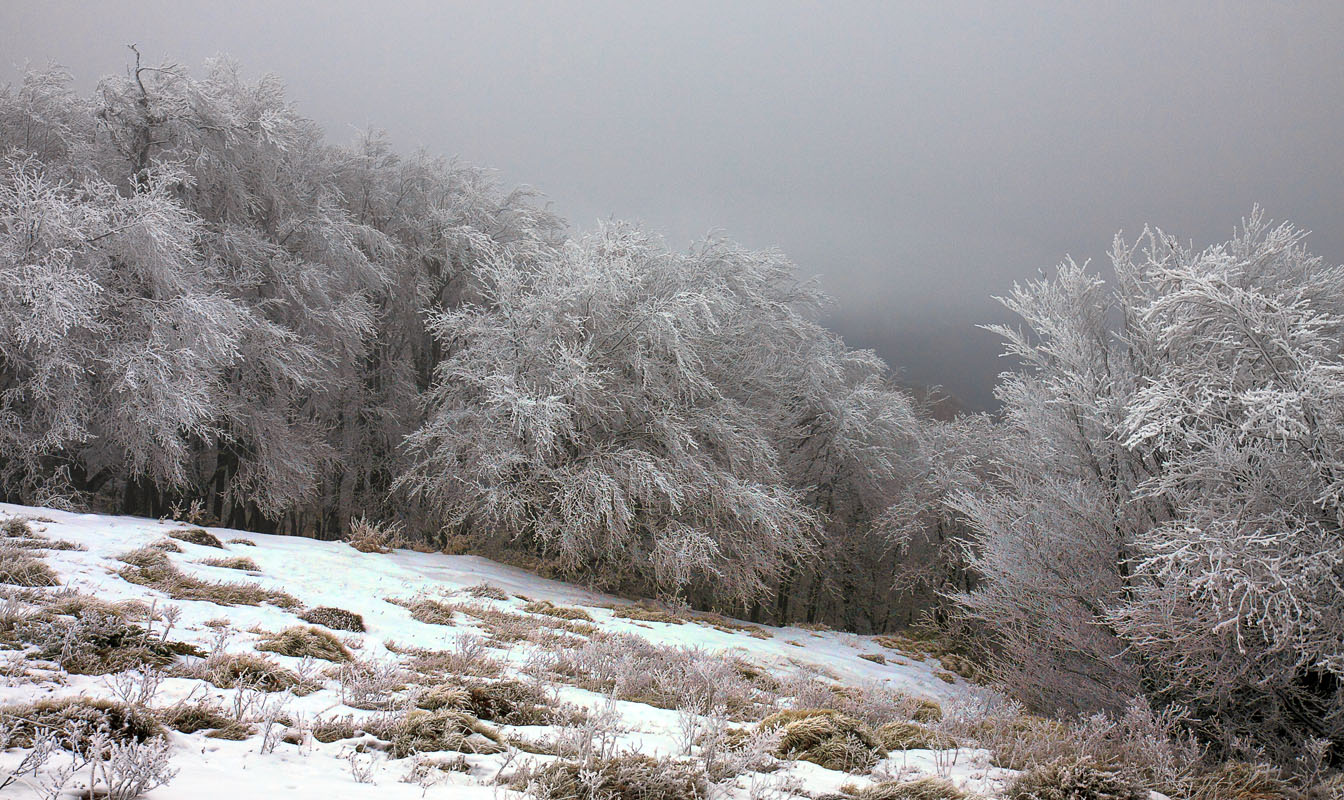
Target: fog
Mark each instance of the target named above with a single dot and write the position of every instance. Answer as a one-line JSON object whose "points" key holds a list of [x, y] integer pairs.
{"points": [[917, 158]]}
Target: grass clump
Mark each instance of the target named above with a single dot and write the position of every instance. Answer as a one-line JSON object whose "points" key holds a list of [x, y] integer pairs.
{"points": [[19, 567], [1239, 780], [99, 641], [929, 788], [913, 736], [487, 590], [77, 719], [508, 702], [242, 541], [150, 567], [560, 612], [242, 563], [194, 717], [338, 619], [373, 537], [824, 737], [1079, 780], [434, 731], [430, 612], [647, 613], [199, 536], [628, 776], [232, 670], [300, 641], [166, 545]]}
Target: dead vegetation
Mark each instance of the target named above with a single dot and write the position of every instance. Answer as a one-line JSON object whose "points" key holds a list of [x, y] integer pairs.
{"points": [[197, 536], [246, 670], [367, 536], [152, 568], [301, 641], [928, 788], [626, 776], [337, 619], [19, 566], [241, 563], [77, 720], [826, 738], [647, 612], [561, 612]]}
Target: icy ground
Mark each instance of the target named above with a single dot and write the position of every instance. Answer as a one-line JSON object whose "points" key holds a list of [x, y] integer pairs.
{"points": [[335, 574]]}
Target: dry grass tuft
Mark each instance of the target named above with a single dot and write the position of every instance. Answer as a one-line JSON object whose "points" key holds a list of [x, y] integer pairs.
{"points": [[922, 789], [198, 536], [150, 567], [242, 563], [193, 717], [338, 619], [913, 736], [1081, 780], [242, 541], [1238, 780], [367, 536], [300, 641], [824, 737], [232, 670], [560, 612], [77, 719], [488, 591], [628, 776], [434, 731], [19, 567], [645, 612]]}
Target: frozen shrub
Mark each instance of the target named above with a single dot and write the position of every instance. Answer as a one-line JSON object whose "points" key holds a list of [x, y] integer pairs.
{"points": [[166, 545], [301, 641], [99, 641], [824, 737], [369, 684], [373, 537], [335, 618], [18, 528], [243, 542], [1080, 780], [198, 536], [128, 769], [913, 736], [929, 788]]}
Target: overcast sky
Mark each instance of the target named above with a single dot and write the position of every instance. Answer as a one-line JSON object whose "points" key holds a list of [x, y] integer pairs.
{"points": [[917, 157]]}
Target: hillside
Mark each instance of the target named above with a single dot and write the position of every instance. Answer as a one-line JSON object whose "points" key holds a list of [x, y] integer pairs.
{"points": [[511, 672]]}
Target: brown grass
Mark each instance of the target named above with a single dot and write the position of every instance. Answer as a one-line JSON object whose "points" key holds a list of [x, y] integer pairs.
{"points": [[152, 568], [335, 618], [648, 613], [825, 737], [300, 641], [19, 567], [929, 788], [198, 536], [560, 612], [242, 563]]}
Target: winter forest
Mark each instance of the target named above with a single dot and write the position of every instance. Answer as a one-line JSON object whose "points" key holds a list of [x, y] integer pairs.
{"points": [[210, 309]]}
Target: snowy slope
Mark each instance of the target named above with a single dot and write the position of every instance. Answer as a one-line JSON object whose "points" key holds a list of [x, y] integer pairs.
{"points": [[334, 574]]}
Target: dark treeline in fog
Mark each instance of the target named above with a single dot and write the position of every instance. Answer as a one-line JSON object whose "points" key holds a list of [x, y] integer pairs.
{"points": [[201, 300]]}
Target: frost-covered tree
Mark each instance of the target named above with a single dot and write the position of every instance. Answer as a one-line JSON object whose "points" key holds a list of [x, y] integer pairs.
{"points": [[1164, 516], [601, 408]]}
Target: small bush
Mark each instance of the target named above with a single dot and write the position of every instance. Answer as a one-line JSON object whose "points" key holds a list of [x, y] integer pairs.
{"points": [[370, 684], [560, 612], [301, 641], [338, 619], [198, 536], [922, 789], [152, 568], [433, 731], [334, 729], [620, 777], [242, 563], [372, 537], [77, 720], [913, 736], [1080, 780], [20, 567], [826, 738]]}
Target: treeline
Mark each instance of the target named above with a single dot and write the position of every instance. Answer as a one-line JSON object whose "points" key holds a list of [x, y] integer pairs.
{"points": [[202, 300]]}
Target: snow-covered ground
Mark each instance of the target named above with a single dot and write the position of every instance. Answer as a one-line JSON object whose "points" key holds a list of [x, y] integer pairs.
{"points": [[335, 574]]}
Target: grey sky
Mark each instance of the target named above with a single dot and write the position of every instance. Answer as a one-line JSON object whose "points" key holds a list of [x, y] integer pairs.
{"points": [[918, 157]]}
